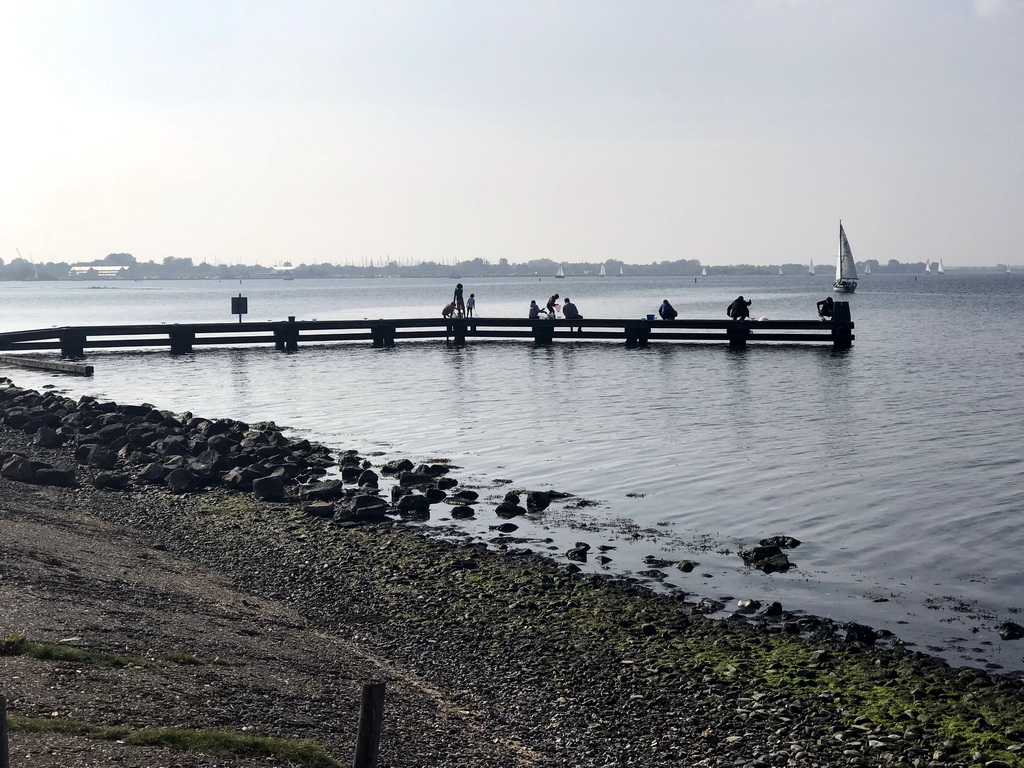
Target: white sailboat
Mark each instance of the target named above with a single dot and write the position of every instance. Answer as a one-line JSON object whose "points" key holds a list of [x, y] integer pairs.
{"points": [[941, 270], [602, 273], [927, 266], [810, 268], [780, 270], [621, 273], [846, 270], [867, 268], [560, 272], [704, 271]]}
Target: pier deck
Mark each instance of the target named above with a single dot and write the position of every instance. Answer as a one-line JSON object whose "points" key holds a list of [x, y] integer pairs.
{"points": [[287, 335]]}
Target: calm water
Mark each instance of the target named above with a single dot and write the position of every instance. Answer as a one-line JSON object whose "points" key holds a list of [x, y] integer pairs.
{"points": [[897, 463]]}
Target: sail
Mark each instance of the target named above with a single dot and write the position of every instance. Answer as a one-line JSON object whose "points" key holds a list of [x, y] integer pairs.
{"points": [[780, 270], [602, 270], [845, 268], [927, 265], [810, 268], [704, 271], [867, 269], [560, 272], [941, 270]]}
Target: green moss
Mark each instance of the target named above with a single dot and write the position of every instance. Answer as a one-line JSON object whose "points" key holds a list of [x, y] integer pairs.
{"points": [[20, 646], [220, 743]]}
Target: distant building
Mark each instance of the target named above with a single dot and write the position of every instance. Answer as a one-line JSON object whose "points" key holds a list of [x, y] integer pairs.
{"points": [[97, 272]]}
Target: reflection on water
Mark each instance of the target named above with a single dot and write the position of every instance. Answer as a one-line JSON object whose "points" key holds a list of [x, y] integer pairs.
{"points": [[896, 462]]}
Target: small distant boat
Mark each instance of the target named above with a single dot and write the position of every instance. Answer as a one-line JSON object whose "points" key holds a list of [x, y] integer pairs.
{"points": [[867, 268], [288, 277], [602, 273], [704, 271], [810, 268], [621, 273], [846, 270], [1007, 269], [560, 272], [780, 270], [928, 266]]}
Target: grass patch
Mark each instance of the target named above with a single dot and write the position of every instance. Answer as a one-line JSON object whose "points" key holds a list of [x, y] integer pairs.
{"points": [[219, 743], [20, 646]]}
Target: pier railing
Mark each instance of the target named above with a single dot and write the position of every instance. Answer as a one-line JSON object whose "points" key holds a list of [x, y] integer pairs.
{"points": [[73, 341]]}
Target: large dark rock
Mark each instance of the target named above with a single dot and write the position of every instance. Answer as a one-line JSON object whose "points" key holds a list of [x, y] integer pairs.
{"points": [[96, 456], [768, 559], [578, 552], [325, 490], [537, 501], [1010, 631], [47, 437], [318, 508], [415, 479], [153, 474], [785, 542], [269, 488], [183, 480], [860, 633], [413, 504], [19, 468], [507, 510], [466, 495], [64, 478], [111, 481], [463, 512], [368, 477], [396, 467]]}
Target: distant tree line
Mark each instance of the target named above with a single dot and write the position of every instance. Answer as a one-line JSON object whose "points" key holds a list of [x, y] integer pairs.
{"points": [[124, 266]]}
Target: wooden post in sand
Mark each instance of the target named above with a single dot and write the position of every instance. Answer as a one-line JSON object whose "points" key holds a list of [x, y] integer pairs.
{"points": [[4, 752], [371, 712]]}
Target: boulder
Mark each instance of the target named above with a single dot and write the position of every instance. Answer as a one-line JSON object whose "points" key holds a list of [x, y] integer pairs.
{"points": [[462, 512], [859, 633], [269, 488], [686, 565], [413, 504], [707, 605], [537, 501], [770, 559], [18, 468], [318, 508], [507, 510], [415, 479], [578, 552], [47, 437], [434, 495], [466, 495], [153, 474], [368, 477], [111, 481], [64, 478], [785, 542], [1010, 631], [325, 490], [396, 467], [182, 480]]}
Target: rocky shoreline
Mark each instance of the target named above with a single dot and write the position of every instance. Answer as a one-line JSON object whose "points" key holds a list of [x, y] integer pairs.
{"points": [[571, 669]]}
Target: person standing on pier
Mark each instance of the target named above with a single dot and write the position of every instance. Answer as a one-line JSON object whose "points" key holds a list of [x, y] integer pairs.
{"points": [[460, 303], [553, 306], [471, 305]]}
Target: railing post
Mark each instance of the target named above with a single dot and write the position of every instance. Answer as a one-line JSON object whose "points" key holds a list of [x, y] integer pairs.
{"points": [[371, 714], [459, 331], [181, 340], [383, 335], [543, 333], [72, 343], [286, 336], [737, 334], [842, 325], [637, 332]]}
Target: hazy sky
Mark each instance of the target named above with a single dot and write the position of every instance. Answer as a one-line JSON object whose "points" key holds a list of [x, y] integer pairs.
{"points": [[577, 130]]}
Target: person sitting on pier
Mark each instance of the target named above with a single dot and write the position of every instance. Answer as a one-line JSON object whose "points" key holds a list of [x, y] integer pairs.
{"points": [[569, 312], [553, 306], [667, 311], [738, 309], [535, 310], [826, 308]]}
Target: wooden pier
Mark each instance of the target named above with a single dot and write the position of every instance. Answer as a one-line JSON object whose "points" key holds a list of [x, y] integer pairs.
{"points": [[286, 335]]}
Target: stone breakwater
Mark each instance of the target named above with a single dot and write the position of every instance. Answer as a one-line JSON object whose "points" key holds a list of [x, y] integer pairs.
{"points": [[583, 670]]}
